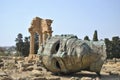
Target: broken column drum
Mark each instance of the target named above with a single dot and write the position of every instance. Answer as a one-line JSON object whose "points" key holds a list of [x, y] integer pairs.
{"points": [[68, 54]]}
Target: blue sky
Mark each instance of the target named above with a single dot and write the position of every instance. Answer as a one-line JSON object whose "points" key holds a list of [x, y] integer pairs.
{"points": [[78, 17]]}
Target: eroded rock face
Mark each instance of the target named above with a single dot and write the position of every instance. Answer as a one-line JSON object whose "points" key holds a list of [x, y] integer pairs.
{"points": [[68, 54]]}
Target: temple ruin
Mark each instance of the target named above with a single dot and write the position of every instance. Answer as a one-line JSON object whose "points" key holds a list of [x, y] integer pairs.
{"points": [[43, 28]]}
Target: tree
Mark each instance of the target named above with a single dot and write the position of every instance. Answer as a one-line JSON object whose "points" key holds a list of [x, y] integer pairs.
{"points": [[113, 47], [86, 38], [19, 38], [19, 43], [95, 36], [109, 48], [26, 47], [23, 47], [116, 47]]}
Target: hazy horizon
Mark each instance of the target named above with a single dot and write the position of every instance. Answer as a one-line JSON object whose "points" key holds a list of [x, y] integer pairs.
{"points": [[78, 17]]}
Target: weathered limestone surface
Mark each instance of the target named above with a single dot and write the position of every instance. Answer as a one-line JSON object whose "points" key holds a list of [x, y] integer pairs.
{"points": [[68, 54], [43, 28]]}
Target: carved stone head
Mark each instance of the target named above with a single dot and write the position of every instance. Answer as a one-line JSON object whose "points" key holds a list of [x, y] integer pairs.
{"points": [[68, 54]]}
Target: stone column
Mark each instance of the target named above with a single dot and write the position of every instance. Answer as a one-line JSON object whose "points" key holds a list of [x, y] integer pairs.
{"points": [[44, 37], [40, 39], [32, 43]]}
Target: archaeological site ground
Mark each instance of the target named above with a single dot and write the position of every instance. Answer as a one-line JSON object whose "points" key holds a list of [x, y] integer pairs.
{"points": [[60, 57]]}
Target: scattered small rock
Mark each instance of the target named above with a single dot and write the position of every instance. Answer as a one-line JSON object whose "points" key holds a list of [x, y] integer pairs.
{"points": [[86, 78], [39, 78], [30, 68], [53, 78], [2, 73], [36, 73], [5, 78], [1, 60], [74, 78], [1, 64], [38, 68]]}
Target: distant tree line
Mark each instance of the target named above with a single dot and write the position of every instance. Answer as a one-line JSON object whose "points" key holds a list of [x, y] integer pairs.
{"points": [[112, 47], [95, 36], [22, 46]]}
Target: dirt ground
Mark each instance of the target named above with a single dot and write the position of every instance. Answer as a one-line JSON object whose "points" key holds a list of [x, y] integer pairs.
{"points": [[16, 68]]}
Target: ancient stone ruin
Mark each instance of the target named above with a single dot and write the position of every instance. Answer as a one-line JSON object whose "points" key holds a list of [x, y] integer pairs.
{"points": [[43, 28], [59, 54], [68, 54], [65, 53]]}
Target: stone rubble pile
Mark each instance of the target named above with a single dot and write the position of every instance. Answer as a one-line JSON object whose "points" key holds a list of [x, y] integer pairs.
{"points": [[12, 68], [112, 67], [18, 69]]}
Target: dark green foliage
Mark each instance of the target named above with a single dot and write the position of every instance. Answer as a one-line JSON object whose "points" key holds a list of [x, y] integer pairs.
{"points": [[19, 43], [26, 47], [23, 47], [95, 36], [86, 38], [113, 47], [116, 47], [108, 48]]}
